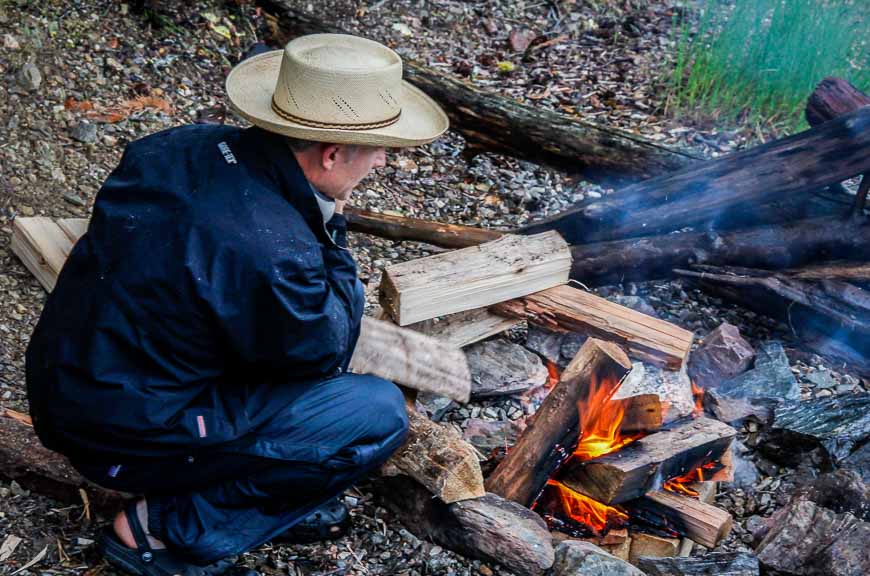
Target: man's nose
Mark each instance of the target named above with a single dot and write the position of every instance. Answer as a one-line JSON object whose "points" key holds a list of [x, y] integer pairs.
{"points": [[381, 158]]}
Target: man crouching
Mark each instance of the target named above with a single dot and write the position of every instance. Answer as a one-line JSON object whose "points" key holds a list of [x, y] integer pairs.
{"points": [[195, 348]]}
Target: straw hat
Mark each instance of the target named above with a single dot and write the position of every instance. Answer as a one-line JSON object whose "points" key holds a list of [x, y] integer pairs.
{"points": [[335, 88]]}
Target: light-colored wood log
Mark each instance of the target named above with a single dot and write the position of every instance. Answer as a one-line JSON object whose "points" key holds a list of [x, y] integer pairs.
{"points": [[464, 328], [703, 523], [411, 359], [474, 277], [569, 309], [643, 544], [527, 466], [437, 457], [635, 469], [74, 228]]}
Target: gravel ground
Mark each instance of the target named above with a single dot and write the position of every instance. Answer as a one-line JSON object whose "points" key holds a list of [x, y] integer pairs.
{"points": [[83, 78]]}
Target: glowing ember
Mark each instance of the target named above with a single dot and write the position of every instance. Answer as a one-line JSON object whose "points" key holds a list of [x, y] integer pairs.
{"points": [[587, 511], [600, 420]]}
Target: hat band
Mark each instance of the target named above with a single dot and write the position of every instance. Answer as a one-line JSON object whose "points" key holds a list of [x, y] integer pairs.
{"points": [[316, 124]]}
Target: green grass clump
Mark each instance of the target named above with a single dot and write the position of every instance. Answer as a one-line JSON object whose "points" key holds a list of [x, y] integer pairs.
{"points": [[757, 61]]}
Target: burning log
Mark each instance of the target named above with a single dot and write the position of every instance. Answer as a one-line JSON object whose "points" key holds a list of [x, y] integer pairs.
{"points": [[638, 467], [497, 124], [831, 309], [720, 193], [569, 309], [437, 457], [705, 524], [553, 431], [474, 277], [490, 528]]}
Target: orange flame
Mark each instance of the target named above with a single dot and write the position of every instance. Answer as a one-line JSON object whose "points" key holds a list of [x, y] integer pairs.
{"points": [[698, 394], [587, 511], [680, 484], [552, 374], [600, 421]]}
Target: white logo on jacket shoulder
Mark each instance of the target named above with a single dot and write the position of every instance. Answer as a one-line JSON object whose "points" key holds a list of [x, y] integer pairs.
{"points": [[228, 154]]}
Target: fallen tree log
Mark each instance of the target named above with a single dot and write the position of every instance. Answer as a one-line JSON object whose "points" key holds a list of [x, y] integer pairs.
{"points": [[489, 528], [497, 124], [402, 228], [635, 469], [821, 312], [723, 193], [553, 431], [568, 309]]}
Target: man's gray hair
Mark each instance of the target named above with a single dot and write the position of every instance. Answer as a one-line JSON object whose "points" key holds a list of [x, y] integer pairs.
{"points": [[299, 145]]}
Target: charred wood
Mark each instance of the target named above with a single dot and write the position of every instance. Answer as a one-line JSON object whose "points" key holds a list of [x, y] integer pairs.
{"points": [[402, 228], [723, 193]]}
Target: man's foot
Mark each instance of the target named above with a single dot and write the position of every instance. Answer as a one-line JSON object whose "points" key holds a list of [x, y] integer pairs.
{"points": [[328, 521], [124, 533], [141, 559]]}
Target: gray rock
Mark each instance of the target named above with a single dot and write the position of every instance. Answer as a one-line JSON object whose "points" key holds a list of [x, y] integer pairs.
{"points": [[715, 564], [811, 540], [771, 377], [838, 424], [486, 435], [636, 303], [557, 347], [29, 77], [746, 475], [578, 558], [821, 379], [434, 405], [672, 387], [723, 355], [84, 132], [859, 461], [499, 367]]}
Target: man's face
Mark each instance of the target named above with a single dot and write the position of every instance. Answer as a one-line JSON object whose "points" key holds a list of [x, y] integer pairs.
{"points": [[344, 167]]}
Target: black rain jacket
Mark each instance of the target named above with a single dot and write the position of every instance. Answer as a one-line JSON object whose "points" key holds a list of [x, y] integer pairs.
{"points": [[205, 294]]}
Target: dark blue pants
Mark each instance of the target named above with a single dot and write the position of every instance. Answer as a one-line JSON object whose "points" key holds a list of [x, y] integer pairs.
{"points": [[210, 506]]}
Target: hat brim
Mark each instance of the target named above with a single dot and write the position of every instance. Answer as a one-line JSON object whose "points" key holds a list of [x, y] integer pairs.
{"points": [[250, 86]]}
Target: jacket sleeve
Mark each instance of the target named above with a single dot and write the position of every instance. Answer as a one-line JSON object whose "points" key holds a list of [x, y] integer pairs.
{"points": [[278, 309]]}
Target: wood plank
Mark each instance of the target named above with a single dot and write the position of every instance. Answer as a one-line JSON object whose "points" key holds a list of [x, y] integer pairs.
{"points": [[74, 228], [464, 328], [436, 456], [639, 467], [474, 277], [553, 431], [701, 522], [43, 247], [568, 309], [411, 359]]}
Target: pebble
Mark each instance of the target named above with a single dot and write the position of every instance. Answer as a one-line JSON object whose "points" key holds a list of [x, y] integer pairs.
{"points": [[29, 77], [84, 132], [73, 199], [10, 42]]}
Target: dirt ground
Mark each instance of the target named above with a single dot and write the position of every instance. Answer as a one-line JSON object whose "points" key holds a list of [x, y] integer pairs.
{"points": [[83, 78]]}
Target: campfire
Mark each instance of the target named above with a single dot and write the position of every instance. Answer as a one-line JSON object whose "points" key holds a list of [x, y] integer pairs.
{"points": [[606, 430]]}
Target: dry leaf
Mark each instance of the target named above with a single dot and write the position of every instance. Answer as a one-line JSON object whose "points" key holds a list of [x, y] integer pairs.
{"points": [[519, 39], [19, 416], [8, 547], [74, 105]]}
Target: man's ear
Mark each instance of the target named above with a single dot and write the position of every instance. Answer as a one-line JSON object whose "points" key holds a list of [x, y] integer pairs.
{"points": [[329, 156]]}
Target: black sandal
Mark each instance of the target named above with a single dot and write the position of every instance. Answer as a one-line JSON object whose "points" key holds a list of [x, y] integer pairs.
{"points": [[328, 521], [145, 561]]}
